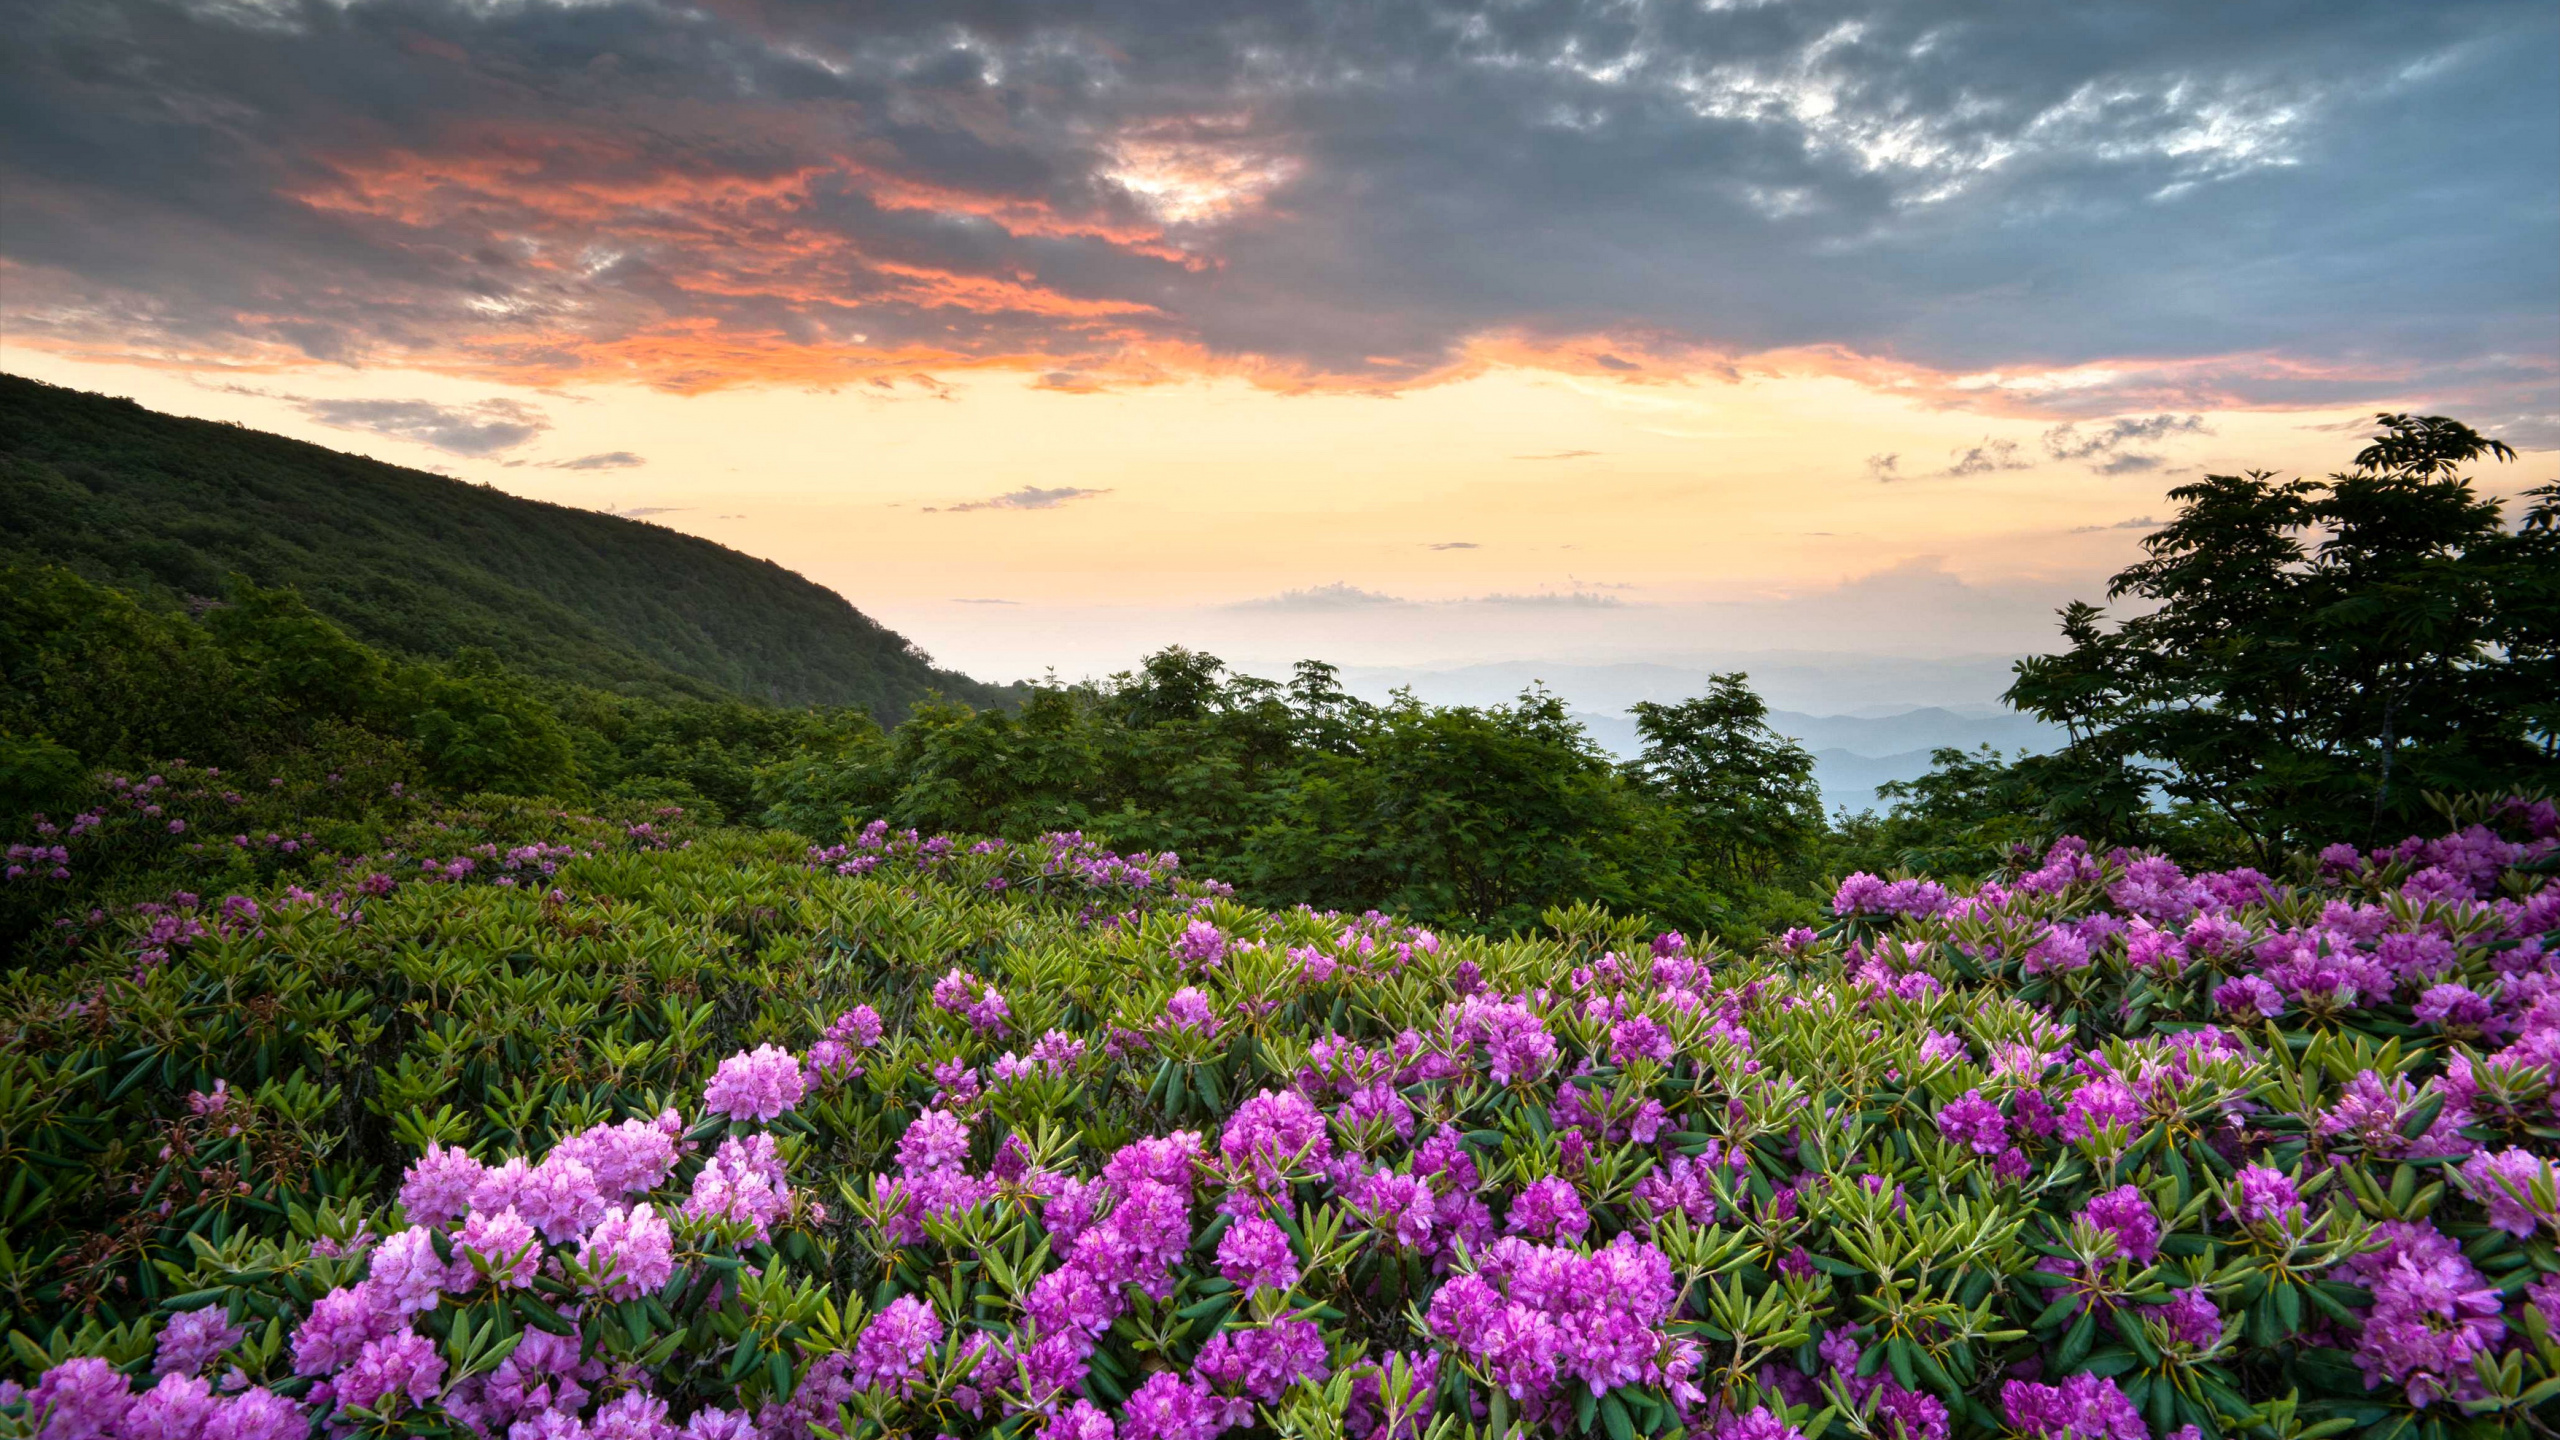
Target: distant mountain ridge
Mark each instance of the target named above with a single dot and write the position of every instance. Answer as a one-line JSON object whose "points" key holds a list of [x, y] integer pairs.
{"points": [[428, 565]]}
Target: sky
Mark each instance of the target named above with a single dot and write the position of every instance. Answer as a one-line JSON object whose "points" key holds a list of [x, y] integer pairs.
{"points": [[1399, 334]]}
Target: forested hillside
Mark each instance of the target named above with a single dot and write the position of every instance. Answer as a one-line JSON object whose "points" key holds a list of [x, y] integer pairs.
{"points": [[428, 566]]}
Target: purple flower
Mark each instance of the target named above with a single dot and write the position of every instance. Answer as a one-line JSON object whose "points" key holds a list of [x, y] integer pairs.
{"points": [[1758, 1425], [437, 1188], [935, 1140], [1188, 1009], [1549, 1209], [2082, 1407], [2453, 1006], [1864, 894], [407, 1273], [2249, 995], [2517, 1186], [631, 1158], [340, 1324], [1079, 1421], [559, 1197], [501, 1246], [2104, 1101], [403, 1363], [760, 1087], [2193, 1318], [895, 1345], [82, 1399], [2432, 1315], [1517, 1045], [1974, 1121], [1273, 1134], [634, 1246], [1169, 1407], [1262, 1363], [2266, 1194], [1640, 1037], [175, 1409], [1255, 1253], [2124, 1213], [633, 1415], [258, 1413], [978, 1003], [193, 1340], [1200, 944]]}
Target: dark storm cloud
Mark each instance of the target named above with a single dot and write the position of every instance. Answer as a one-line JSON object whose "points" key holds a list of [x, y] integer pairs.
{"points": [[2283, 203]]}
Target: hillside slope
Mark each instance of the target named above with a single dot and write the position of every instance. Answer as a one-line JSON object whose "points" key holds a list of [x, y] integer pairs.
{"points": [[428, 565]]}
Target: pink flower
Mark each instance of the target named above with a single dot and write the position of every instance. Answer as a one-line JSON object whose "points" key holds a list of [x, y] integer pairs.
{"points": [[760, 1087], [634, 1246]]}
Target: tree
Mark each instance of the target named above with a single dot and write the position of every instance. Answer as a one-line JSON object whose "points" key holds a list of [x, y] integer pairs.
{"points": [[2316, 655], [1743, 792]]}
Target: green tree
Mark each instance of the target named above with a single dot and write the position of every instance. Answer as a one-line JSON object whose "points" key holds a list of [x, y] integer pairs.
{"points": [[1744, 793], [2313, 656]]}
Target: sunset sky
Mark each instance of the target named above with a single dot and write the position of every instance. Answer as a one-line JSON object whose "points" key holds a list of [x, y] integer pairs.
{"points": [[1402, 334]]}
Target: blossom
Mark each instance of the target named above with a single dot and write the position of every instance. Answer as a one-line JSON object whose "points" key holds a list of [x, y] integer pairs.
{"points": [[2103, 1102], [1639, 1037], [1255, 1253], [174, 1409], [501, 1246], [338, 1326], [257, 1413], [1549, 1209], [1188, 1009], [2432, 1315], [2193, 1318], [193, 1339], [934, 1140], [1274, 1133], [895, 1345], [385, 1369], [2266, 1193], [1261, 1363], [1758, 1425], [1169, 1407], [2249, 995], [2517, 1187], [634, 1247], [1200, 944], [2082, 1407], [437, 1186], [1080, 1421], [407, 1273], [761, 1086], [1973, 1121], [2452, 1006], [81, 1399], [560, 1197], [2124, 1213]]}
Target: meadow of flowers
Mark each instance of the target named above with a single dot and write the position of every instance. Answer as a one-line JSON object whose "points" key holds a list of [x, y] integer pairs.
{"points": [[628, 1137]]}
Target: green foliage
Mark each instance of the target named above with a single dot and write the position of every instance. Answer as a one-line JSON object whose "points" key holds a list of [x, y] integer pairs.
{"points": [[419, 565], [2315, 656]]}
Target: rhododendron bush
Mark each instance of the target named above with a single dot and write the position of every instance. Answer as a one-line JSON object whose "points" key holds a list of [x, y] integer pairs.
{"points": [[931, 1136]]}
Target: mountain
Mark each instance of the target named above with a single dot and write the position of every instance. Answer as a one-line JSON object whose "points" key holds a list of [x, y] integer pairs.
{"points": [[427, 565], [1853, 754]]}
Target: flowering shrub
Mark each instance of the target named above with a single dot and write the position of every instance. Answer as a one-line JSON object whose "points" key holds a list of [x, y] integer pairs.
{"points": [[924, 1136]]}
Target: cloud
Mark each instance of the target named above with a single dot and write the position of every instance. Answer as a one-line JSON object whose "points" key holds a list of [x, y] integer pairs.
{"points": [[2108, 448], [642, 512], [969, 600], [1029, 497], [1302, 194], [2138, 522], [1454, 545], [1985, 458], [1885, 468], [604, 460], [1566, 600], [480, 429], [1560, 455], [1340, 595]]}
